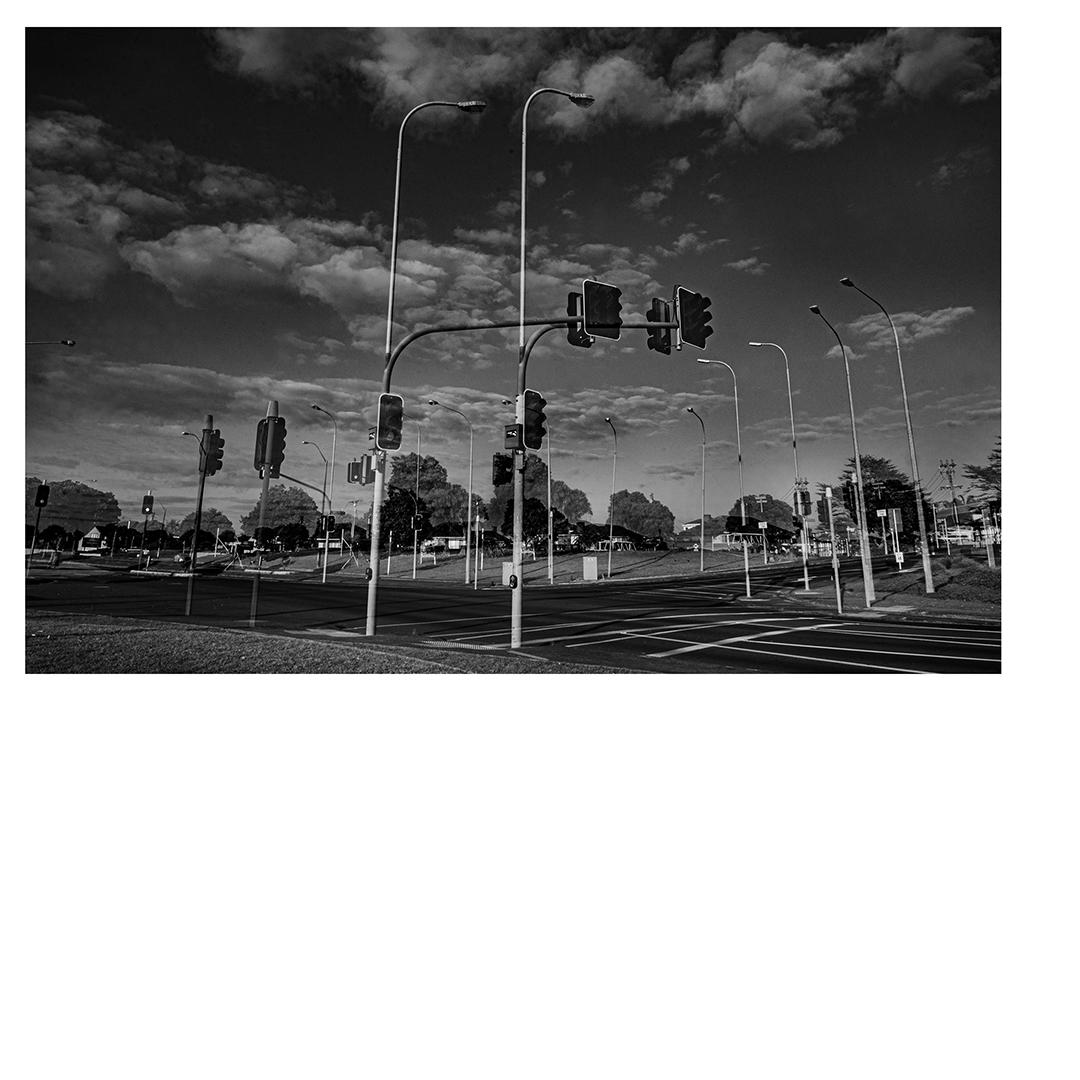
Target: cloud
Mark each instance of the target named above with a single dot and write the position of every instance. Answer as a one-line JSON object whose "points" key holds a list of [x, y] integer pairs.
{"points": [[661, 184], [912, 327], [690, 243], [750, 265], [758, 87]]}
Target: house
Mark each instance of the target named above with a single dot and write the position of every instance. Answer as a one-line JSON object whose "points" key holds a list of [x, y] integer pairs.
{"points": [[92, 543]]}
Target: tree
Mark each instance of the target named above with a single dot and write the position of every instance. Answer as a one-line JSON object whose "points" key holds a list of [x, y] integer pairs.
{"points": [[397, 514], [572, 503], [283, 506], [533, 520], [211, 521], [885, 487], [444, 501], [986, 479], [775, 512], [73, 505], [643, 514]]}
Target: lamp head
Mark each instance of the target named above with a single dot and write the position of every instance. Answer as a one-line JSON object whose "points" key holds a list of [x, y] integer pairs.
{"points": [[68, 342], [472, 106], [432, 401], [756, 344], [307, 442], [690, 408], [584, 101], [702, 360], [848, 282], [815, 309], [191, 433]]}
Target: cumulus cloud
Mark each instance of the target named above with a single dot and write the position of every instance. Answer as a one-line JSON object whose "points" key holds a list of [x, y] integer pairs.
{"points": [[750, 265], [661, 184], [911, 326], [757, 87], [96, 200]]}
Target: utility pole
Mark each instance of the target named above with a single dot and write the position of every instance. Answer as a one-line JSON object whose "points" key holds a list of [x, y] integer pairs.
{"points": [[949, 468], [835, 556]]}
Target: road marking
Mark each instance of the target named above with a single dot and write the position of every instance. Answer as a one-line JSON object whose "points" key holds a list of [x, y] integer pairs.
{"points": [[697, 646], [890, 652], [860, 632], [826, 660]]}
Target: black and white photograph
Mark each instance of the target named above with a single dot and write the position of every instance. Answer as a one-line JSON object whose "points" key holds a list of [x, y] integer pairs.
{"points": [[656, 369], [522, 350]]}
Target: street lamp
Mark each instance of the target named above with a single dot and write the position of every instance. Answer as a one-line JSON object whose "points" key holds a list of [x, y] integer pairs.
{"points": [[690, 409], [794, 451], [738, 446], [322, 510], [468, 508], [928, 574], [416, 531], [380, 456], [611, 513], [860, 501], [63, 341], [582, 101], [330, 496]]}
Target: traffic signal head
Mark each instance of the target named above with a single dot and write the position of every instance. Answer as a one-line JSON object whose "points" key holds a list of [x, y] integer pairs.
{"points": [[659, 338], [502, 469], [513, 439], [391, 417], [275, 444], [693, 316], [215, 451], [535, 418], [603, 312], [576, 335], [353, 474], [42, 496], [148, 503]]}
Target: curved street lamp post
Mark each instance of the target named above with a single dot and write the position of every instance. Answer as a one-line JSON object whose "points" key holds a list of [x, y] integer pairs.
{"points": [[928, 574], [380, 456], [468, 508], [860, 501], [738, 446], [795, 453], [690, 409]]}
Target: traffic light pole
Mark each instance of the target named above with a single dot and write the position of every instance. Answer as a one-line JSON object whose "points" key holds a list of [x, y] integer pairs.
{"points": [[271, 411], [208, 426]]}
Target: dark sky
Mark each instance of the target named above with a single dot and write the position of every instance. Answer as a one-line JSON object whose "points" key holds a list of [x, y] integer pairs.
{"points": [[209, 217]]}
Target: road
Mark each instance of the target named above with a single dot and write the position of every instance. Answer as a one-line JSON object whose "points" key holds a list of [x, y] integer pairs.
{"points": [[697, 624]]}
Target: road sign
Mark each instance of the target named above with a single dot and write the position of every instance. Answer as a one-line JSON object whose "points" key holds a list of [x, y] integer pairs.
{"points": [[762, 524], [883, 513]]}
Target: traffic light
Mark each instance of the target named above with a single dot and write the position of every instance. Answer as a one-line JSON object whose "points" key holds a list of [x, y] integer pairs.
{"points": [[353, 474], [417, 522], [535, 418], [42, 496], [602, 315], [391, 412], [659, 337], [502, 469], [148, 503], [575, 306], [275, 444], [693, 316], [215, 451]]}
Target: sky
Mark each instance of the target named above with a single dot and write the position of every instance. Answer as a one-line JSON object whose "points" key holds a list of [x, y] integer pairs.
{"points": [[209, 217]]}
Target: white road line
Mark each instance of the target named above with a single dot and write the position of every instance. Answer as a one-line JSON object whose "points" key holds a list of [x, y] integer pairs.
{"points": [[860, 632], [889, 652], [825, 660], [658, 633], [697, 646]]}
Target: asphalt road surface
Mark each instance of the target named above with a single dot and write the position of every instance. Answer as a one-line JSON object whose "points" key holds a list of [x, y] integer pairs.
{"points": [[699, 624]]}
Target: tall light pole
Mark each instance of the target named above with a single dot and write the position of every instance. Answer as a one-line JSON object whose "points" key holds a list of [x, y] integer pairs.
{"points": [[795, 453], [330, 495], [468, 508], [690, 409], [738, 446], [322, 512], [416, 500], [860, 499], [928, 574], [582, 101], [611, 512], [380, 456]]}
